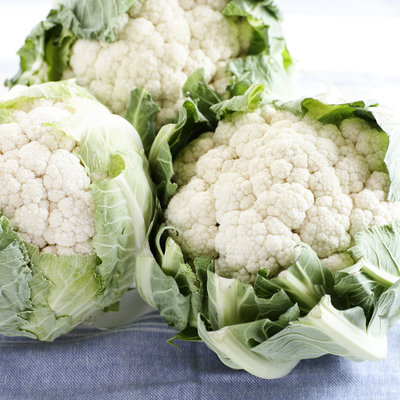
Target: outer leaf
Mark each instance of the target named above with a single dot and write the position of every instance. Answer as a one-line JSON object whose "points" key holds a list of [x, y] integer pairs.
{"points": [[389, 121], [379, 248], [174, 265], [161, 291], [259, 331], [233, 351], [92, 19], [187, 335], [325, 330], [305, 282], [203, 96], [124, 202], [199, 298], [141, 112], [64, 291], [15, 278], [231, 302], [247, 102], [36, 65], [387, 311], [169, 141], [356, 288], [377, 268], [42, 296], [268, 61], [41, 321], [335, 113]]}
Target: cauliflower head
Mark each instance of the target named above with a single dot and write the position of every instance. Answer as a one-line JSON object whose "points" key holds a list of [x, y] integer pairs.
{"points": [[115, 48], [267, 180], [158, 45], [281, 228], [76, 204]]}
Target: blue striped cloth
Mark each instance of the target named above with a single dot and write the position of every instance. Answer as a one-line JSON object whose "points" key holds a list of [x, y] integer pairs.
{"points": [[137, 363]]}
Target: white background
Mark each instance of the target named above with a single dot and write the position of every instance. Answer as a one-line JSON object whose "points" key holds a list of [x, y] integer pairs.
{"points": [[352, 44]]}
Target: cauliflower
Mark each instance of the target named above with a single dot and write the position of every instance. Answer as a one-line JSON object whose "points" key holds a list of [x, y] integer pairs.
{"points": [[46, 190], [167, 41], [283, 223], [76, 203], [267, 180], [153, 45]]}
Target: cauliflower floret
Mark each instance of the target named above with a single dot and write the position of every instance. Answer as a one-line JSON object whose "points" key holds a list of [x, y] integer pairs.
{"points": [[232, 192], [338, 261], [267, 180], [193, 212], [71, 221], [325, 230], [209, 166], [247, 246], [12, 137], [168, 40], [352, 171], [288, 202], [45, 188], [64, 176], [185, 163]]}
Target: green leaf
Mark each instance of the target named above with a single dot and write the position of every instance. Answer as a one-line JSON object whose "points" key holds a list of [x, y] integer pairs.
{"points": [[264, 10], [42, 295], [41, 321], [169, 141], [187, 335], [377, 268], [355, 288], [251, 100], [202, 95], [15, 280], [336, 113], [389, 121], [232, 349], [36, 65], [325, 330], [174, 265], [305, 282], [91, 19], [259, 331], [230, 301], [274, 306], [199, 299], [124, 208], [64, 292], [268, 61], [161, 291], [378, 248], [261, 69], [387, 311], [141, 112]]}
